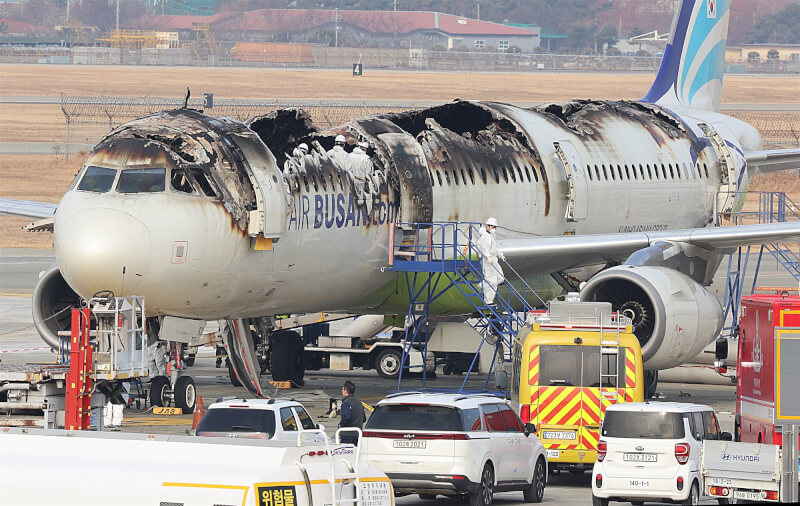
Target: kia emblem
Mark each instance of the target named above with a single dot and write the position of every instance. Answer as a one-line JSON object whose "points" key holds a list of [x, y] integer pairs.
{"points": [[408, 436], [640, 448]]}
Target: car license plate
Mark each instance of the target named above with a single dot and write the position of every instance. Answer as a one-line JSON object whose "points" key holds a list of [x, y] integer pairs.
{"points": [[638, 483], [747, 496], [404, 443], [640, 457], [553, 454], [558, 435]]}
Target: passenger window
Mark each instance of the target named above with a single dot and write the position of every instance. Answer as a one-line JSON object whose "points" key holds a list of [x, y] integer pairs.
{"points": [[305, 418], [494, 420], [97, 179], [710, 425], [513, 175], [511, 420], [455, 176], [471, 420], [439, 177], [527, 173], [483, 175], [505, 175], [697, 426], [471, 176], [180, 182], [287, 420], [589, 172], [141, 181]]}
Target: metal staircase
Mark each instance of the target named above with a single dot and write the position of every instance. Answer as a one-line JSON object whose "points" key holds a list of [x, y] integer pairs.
{"points": [[773, 207], [437, 258]]}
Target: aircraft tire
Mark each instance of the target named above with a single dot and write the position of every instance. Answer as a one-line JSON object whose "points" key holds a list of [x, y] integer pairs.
{"points": [[159, 388], [650, 384], [185, 394], [288, 361], [232, 375]]}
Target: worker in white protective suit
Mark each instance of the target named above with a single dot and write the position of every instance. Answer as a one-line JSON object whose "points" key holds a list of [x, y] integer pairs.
{"points": [[361, 167], [492, 272], [337, 152], [297, 162]]}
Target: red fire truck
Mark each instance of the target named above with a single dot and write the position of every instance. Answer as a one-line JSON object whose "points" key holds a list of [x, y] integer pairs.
{"points": [[763, 318]]}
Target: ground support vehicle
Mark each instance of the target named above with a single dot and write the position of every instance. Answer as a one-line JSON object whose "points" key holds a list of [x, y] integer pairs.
{"points": [[743, 471], [650, 451], [275, 419], [106, 348], [454, 444], [765, 317], [86, 468], [570, 364]]}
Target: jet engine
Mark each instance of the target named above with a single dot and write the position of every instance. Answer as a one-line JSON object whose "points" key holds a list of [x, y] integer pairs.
{"points": [[674, 317], [52, 300]]}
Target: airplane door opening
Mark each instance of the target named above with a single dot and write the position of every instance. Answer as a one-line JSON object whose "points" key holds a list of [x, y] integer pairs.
{"points": [[577, 191]]}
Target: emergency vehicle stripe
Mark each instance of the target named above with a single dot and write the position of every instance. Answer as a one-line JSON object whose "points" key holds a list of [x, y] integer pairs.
{"points": [[558, 404], [630, 369], [570, 412], [533, 366]]}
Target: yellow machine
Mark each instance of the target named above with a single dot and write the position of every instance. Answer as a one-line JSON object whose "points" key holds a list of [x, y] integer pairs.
{"points": [[569, 364]]}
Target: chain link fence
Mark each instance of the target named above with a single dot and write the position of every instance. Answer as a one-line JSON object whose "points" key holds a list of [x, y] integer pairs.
{"points": [[90, 118]]}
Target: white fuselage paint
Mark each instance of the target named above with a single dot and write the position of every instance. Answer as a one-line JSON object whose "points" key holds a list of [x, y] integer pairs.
{"points": [[330, 261]]}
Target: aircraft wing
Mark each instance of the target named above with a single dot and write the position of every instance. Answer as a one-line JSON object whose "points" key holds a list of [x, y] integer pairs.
{"points": [[774, 159], [552, 254], [27, 208]]}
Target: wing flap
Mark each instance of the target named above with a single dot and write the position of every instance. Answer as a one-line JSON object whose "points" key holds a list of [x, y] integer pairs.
{"points": [[774, 159]]}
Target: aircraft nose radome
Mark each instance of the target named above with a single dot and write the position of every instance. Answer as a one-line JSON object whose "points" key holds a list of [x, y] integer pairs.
{"points": [[94, 246]]}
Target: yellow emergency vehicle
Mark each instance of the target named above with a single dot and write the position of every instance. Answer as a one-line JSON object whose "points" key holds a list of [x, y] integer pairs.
{"points": [[569, 364]]}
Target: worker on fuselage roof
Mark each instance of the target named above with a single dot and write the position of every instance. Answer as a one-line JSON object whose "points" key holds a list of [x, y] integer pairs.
{"points": [[360, 165], [337, 152], [297, 162]]}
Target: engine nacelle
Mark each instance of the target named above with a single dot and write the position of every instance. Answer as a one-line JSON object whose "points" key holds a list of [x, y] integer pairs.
{"points": [[52, 300], [674, 317]]}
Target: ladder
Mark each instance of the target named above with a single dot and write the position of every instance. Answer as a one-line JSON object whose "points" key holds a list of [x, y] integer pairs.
{"points": [[79, 378], [609, 354], [350, 477]]}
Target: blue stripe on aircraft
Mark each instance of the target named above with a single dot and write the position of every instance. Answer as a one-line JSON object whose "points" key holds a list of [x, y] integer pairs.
{"points": [[667, 76], [710, 70]]}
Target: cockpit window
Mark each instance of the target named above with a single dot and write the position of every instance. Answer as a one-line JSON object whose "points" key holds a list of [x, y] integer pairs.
{"points": [[97, 179], [206, 186], [180, 182], [141, 181]]}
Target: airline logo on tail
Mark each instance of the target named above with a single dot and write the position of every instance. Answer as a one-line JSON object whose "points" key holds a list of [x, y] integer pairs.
{"points": [[690, 76]]}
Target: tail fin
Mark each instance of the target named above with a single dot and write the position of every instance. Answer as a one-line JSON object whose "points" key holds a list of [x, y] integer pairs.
{"points": [[691, 71]]}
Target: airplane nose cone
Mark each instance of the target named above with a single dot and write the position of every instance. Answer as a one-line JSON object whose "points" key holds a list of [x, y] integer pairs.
{"points": [[102, 249]]}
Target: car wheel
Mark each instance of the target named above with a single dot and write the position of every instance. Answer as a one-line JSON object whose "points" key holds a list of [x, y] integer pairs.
{"points": [[185, 394], [485, 493], [694, 496], [599, 501], [535, 492], [159, 390], [387, 363], [427, 497]]}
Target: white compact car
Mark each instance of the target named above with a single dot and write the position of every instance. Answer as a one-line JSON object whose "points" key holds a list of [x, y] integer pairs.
{"points": [[650, 451], [276, 419], [454, 444]]}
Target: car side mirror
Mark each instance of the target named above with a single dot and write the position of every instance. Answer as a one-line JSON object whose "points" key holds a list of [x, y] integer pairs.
{"points": [[321, 427], [530, 429], [726, 436]]}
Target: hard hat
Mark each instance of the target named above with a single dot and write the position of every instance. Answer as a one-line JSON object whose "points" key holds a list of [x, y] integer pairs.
{"points": [[303, 147], [491, 221], [340, 139], [363, 145]]}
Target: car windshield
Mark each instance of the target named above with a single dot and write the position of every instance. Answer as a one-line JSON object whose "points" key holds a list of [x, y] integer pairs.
{"points": [[97, 179], [237, 420], [415, 417], [643, 425], [141, 181]]}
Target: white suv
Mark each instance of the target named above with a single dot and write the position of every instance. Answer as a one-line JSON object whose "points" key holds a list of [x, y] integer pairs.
{"points": [[651, 451], [454, 444], [276, 419]]}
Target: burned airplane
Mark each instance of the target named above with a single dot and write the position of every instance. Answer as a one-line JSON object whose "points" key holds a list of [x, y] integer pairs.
{"points": [[213, 219]]}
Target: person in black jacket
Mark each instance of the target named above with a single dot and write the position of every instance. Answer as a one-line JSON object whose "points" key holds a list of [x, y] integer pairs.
{"points": [[352, 413]]}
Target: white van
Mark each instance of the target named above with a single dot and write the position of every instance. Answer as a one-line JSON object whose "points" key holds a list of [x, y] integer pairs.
{"points": [[651, 451]]}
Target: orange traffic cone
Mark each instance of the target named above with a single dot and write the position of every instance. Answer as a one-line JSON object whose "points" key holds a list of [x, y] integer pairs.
{"points": [[199, 411]]}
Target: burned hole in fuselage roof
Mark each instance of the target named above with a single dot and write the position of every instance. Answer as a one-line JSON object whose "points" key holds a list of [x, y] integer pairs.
{"points": [[459, 117], [175, 144], [282, 130]]}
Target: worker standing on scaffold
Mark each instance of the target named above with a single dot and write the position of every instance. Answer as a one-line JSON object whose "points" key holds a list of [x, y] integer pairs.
{"points": [[492, 272]]}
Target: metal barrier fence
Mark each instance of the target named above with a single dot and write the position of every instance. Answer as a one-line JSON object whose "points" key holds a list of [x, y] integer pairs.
{"points": [[97, 115]]}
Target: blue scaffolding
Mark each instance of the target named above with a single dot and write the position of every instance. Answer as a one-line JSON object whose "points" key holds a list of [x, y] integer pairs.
{"points": [[444, 256]]}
